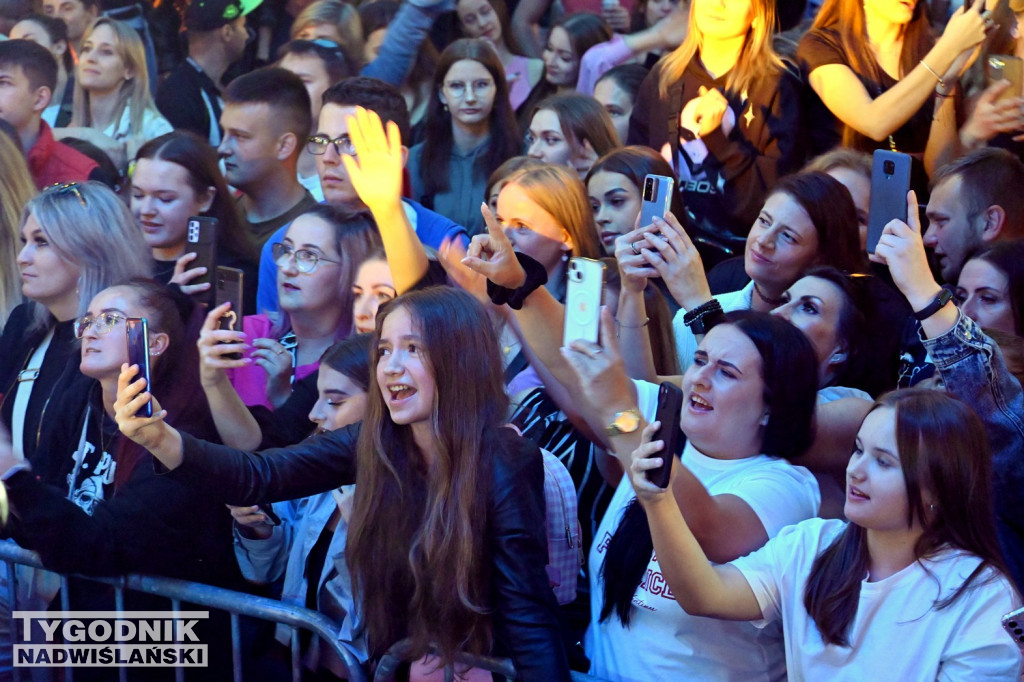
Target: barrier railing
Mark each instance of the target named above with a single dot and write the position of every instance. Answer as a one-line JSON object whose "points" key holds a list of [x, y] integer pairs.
{"points": [[234, 603]]}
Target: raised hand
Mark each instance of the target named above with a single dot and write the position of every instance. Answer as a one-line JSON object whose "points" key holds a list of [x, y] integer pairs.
{"points": [[647, 456], [675, 258], [215, 344], [901, 247], [634, 270], [182, 277], [492, 255], [710, 111], [131, 396], [376, 168], [600, 370], [992, 115], [967, 27]]}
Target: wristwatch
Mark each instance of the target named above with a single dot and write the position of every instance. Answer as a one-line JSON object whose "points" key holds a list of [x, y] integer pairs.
{"points": [[626, 421], [944, 297]]}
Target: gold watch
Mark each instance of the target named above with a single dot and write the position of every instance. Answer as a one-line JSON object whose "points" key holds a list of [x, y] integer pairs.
{"points": [[626, 421]]}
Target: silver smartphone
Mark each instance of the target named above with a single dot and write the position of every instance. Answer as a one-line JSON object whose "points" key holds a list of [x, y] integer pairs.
{"points": [[657, 198], [583, 300], [1013, 623]]}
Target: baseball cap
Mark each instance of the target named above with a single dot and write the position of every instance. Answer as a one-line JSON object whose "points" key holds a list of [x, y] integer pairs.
{"points": [[209, 15]]}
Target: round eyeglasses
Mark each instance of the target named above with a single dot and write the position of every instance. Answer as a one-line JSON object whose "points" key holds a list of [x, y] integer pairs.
{"points": [[101, 324], [305, 260]]}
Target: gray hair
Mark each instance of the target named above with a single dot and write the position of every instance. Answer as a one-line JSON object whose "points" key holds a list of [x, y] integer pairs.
{"points": [[88, 225]]}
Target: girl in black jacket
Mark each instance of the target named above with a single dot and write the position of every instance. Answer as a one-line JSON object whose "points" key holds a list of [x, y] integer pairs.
{"points": [[724, 110], [447, 538]]}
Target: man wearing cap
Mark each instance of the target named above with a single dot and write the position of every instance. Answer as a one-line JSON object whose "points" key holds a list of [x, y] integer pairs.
{"points": [[190, 96]]}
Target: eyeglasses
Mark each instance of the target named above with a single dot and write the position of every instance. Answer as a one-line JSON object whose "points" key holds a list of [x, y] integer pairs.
{"points": [[317, 144], [305, 260], [102, 323], [68, 188], [458, 88]]}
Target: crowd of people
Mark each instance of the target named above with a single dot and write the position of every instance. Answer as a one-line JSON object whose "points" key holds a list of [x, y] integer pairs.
{"points": [[387, 424]]}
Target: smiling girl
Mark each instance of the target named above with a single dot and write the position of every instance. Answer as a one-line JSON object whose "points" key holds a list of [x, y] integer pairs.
{"points": [[918, 563]]}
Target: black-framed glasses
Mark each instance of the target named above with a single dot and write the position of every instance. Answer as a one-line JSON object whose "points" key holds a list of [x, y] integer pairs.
{"points": [[102, 323], [305, 259], [68, 188], [317, 144]]}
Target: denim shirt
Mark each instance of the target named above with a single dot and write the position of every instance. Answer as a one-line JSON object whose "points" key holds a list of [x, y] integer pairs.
{"points": [[973, 370]]}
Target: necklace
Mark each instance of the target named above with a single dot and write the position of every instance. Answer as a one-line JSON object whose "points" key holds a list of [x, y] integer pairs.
{"points": [[766, 299]]}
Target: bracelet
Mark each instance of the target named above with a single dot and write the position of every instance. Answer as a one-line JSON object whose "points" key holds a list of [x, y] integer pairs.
{"points": [[647, 321], [932, 72], [700, 311], [940, 93], [536, 277]]}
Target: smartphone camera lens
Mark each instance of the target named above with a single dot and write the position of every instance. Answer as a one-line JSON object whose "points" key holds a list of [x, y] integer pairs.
{"points": [[889, 168]]}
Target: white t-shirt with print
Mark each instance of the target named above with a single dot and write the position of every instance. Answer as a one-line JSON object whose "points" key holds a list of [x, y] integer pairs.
{"points": [[897, 633], [663, 642]]}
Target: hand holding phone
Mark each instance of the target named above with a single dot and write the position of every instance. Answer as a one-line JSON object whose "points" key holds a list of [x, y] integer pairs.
{"points": [[670, 407], [657, 198]]}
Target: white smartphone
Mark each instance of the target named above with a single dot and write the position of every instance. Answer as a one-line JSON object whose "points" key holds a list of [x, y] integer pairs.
{"points": [[583, 300]]}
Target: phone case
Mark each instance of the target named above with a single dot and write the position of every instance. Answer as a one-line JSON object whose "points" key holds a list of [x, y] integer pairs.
{"points": [[890, 182], [1011, 68], [657, 198], [1013, 623], [583, 300], [137, 331], [202, 241], [229, 287], [670, 407]]}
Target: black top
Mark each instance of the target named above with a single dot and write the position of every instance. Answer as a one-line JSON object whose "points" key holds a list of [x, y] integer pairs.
{"points": [[56, 374], [724, 191], [822, 46], [526, 626], [180, 99]]}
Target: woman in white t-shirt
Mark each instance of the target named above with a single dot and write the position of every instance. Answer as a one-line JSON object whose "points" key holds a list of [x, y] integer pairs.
{"points": [[748, 402], [912, 589]]}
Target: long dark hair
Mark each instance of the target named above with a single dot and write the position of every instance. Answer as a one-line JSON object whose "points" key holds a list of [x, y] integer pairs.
{"points": [[416, 537], [790, 375], [943, 449], [176, 376], [199, 159], [846, 17], [1008, 258], [830, 207], [350, 357], [504, 139]]}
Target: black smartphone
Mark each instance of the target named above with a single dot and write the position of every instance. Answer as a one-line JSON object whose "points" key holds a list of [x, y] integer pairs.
{"points": [[670, 407], [137, 330], [228, 287], [657, 198], [201, 240], [890, 182], [1011, 68], [583, 300], [268, 511]]}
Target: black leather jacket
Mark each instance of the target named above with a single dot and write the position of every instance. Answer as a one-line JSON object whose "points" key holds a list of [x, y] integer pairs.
{"points": [[526, 626]]}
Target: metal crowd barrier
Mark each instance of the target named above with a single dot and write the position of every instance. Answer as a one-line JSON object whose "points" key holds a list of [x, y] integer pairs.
{"points": [[178, 591]]}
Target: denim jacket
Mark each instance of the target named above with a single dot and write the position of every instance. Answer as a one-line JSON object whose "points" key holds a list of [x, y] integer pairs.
{"points": [[973, 370]]}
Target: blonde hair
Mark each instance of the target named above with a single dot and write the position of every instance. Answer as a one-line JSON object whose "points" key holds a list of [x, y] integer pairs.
{"points": [[16, 189], [89, 226], [134, 92], [338, 14], [560, 192], [757, 59]]}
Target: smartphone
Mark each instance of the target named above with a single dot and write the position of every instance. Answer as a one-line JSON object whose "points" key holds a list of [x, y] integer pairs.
{"points": [[1013, 623], [228, 287], [583, 300], [201, 239], [1011, 68], [670, 407], [137, 330], [268, 511], [890, 182], [657, 198]]}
